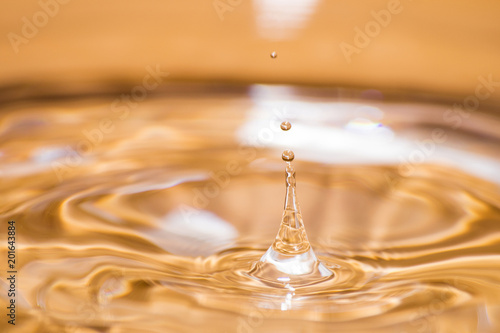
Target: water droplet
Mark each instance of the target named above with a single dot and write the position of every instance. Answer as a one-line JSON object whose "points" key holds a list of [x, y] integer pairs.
{"points": [[274, 54], [288, 155], [285, 126]]}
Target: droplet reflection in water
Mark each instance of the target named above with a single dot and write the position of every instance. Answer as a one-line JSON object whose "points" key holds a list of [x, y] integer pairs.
{"points": [[274, 54]]}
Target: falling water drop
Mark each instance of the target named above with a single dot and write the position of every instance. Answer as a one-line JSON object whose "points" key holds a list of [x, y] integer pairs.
{"points": [[274, 54], [288, 155], [285, 126]]}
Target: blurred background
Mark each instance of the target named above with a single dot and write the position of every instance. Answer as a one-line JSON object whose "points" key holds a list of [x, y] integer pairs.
{"points": [[438, 48]]}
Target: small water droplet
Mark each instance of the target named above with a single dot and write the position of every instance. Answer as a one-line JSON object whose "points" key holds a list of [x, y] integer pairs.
{"points": [[288, 155], [274, 54], [285, 126]]}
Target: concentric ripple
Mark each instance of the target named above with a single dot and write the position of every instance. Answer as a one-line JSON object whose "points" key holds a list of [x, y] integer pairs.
{"points": [[114, 257], [145, 236]]}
